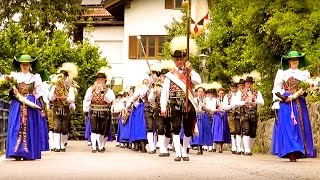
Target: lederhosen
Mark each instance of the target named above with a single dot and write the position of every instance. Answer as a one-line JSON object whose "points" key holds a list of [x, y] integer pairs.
{"points": [[61, 116], [100, 113], [163, 124], [231, 116], [178, 113], [50, 117], [249, 114], [148, 112]]}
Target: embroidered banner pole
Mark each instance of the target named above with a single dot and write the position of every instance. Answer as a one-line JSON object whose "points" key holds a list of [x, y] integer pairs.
{"points": [[200, 16]]}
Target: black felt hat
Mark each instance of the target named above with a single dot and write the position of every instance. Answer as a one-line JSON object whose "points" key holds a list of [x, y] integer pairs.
{"points": [[233, 84], [179, 54], [249, 79], [101, 75], [241, 81]]}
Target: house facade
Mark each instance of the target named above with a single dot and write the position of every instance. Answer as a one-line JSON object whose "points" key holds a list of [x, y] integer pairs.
{"points": [[126, 28]]}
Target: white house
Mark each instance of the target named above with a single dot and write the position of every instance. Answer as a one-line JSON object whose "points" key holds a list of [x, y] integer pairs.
{"points": [[117, 23]]}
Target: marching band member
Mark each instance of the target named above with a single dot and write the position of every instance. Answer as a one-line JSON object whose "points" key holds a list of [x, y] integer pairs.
{"points": [[228, 105], [99, 99], [45, 98], [138, 125], [293, 137], [220, 128], [204, 136], [239, 142], [62, 96], [116, 109], [174, 87], [24, 115], [248, 100]]}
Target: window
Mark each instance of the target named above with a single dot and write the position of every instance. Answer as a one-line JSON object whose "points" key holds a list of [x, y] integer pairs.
{"points": [[173, 4], [152, 45]]}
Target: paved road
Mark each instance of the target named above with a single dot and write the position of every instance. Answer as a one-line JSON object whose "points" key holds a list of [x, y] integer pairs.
{"points": [[79, 163]]}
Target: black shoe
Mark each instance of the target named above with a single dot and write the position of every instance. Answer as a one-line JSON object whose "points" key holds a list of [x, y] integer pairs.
{"points": [[233, 152], [65, 144], [57, 150], [214, 150], [63, 150], [117, 145], [185, 158], [162, 155], [89, 144], [94, 151], [220, 151], [210, 151], [248, 154], [18, 158], [52, 149], [100, 150], [238, 153], [152, 152], [177, 159], [103, 149], [188, 150]]}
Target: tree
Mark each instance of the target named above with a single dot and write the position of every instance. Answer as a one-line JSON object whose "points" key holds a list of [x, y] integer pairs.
{"points": [[52, 53], [39, 15], [246, 35]]}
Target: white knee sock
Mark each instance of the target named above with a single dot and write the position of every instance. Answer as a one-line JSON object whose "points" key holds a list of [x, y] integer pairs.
{"points": [[238, 142], [51, 140], [186, 141], [56, 137], [246, 144], [100, 141], [63, 140], [233, 143], [161, 142], [177, 146], [94, 141], [150, 138]]}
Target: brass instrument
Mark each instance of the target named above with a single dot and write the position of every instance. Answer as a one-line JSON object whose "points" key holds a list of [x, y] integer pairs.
{"points": [[61, 91]]}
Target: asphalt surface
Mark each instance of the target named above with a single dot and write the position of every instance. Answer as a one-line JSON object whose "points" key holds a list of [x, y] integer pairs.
{"points": [[79, 163]]}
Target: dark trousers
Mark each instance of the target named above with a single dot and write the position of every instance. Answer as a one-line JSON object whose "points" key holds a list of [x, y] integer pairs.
{"points": [[249, 127], [61, 118], [101, 124], [186, 118], [163, 125], [231, 122], [148, 114], [238, 127]]}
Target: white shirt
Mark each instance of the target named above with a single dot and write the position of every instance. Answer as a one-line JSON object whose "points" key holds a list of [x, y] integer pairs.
{"points": [[109, 97], [117, 106], [70, 98], [29, 78], [226, 106], [195, 79], [239, 103], [283, 76]]}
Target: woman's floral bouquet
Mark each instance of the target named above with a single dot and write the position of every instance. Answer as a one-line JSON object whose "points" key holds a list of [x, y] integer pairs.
{"points": [[6, 84], [305, 87]]}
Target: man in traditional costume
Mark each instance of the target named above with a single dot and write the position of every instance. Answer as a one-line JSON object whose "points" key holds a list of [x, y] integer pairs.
{"points": [[116, 109], [228, 105], [99, 99], [174, 95], [248, 100], [62, 96]]}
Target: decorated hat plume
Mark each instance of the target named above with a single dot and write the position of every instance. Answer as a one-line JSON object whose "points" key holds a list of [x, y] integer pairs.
{"points": [[178, 46], [70, 68]]}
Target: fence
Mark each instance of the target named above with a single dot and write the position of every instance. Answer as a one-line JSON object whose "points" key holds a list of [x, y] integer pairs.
{"points": [[4, 112], [77, 126]]}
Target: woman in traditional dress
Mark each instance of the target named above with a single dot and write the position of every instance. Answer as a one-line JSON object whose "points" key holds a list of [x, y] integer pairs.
{"points": [[292, 137], [220, 126], [44, 100], [204, 136], [24, 136]]}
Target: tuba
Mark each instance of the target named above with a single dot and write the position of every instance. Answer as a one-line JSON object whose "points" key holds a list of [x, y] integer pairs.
{"points": [[60, 91]]}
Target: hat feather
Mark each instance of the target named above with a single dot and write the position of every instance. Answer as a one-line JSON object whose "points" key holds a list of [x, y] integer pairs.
{"points": [[215, 85], [156, 67], [255, 75], [168, 64], [236, 79], [71, 68], [180, 43]]}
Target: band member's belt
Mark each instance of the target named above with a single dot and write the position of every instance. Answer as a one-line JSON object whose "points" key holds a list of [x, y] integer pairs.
{"points": [[176, 94], [100, 108]]}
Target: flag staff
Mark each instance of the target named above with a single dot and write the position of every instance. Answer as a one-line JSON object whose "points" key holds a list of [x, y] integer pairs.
{"points": [[188, 53]]}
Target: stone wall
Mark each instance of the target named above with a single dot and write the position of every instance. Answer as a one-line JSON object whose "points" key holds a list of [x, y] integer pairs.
{"points": [[265, 128]]}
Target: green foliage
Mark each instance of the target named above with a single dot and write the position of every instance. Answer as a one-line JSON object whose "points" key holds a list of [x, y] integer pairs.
{"points": [[41, 15], [246, 35], [51, 53]]}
